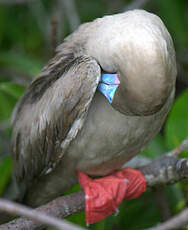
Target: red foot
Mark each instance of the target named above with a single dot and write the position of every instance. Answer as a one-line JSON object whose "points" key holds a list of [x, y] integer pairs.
{"points": [[104, 195]]}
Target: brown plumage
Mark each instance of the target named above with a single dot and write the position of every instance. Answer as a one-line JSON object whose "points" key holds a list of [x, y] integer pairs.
{"points": [[62, 124]]}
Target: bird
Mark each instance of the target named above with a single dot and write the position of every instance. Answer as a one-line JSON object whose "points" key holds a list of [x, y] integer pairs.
{"points": [[95, 105]]}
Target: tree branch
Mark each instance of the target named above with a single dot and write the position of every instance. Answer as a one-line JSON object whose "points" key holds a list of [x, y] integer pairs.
{"points": [[166, 169], [18, 209], [59, 208]]}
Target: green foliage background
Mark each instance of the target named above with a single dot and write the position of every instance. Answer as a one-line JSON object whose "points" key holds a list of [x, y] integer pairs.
{"points": [[25, 34]]}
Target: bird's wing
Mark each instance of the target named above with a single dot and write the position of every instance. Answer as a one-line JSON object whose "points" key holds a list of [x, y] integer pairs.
{"points": [[50, 114]]}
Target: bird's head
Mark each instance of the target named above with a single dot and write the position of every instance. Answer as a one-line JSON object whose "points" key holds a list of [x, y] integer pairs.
{"points": [[137, 50]]}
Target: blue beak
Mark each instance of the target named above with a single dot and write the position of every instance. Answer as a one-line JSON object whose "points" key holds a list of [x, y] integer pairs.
{"points": [[108, 85]]}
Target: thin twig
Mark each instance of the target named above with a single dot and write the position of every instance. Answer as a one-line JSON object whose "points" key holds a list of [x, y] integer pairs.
{"points": [[179, 149], [162, 203], [71, 13], [59, 14], [176, 222], [136, 4], [53, 35]]}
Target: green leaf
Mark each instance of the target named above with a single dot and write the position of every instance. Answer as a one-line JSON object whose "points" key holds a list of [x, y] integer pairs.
{"points": [[5, 173], [176, 197], [176, 129], [155, 148], [7, 104], [173, 13], [143, 208], [12, 89], [20, 62], [9, 94]]}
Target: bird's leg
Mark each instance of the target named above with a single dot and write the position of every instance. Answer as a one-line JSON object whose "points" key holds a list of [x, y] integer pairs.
{"points": [[104, 195]]}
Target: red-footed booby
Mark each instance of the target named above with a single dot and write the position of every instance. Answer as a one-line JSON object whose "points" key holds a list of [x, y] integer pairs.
{"points": [[95, 105]]}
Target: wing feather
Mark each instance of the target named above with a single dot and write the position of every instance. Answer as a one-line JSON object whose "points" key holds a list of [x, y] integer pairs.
{"points": [[50, 114]]}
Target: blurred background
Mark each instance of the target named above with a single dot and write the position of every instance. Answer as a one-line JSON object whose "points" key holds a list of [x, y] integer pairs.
{"points": [[29, 31]]}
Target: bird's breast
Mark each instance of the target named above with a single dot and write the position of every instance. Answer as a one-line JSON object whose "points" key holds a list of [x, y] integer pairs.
{"points": [[109, 138]]}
